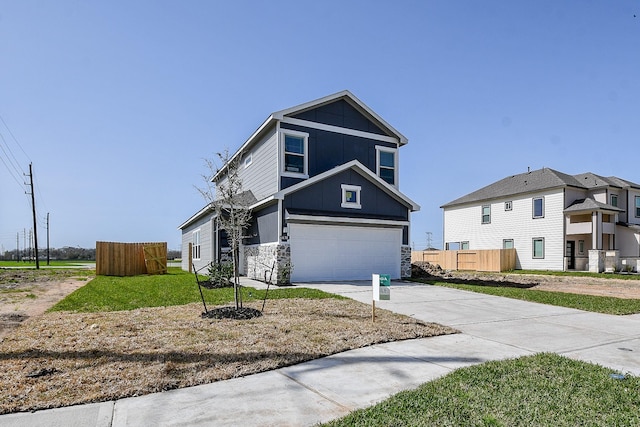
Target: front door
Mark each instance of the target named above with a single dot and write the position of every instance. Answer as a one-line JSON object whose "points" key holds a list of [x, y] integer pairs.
{"points": [[570, 254]]}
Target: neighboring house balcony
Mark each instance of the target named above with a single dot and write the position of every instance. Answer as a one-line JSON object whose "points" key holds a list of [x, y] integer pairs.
{"points": [[587, 227]]}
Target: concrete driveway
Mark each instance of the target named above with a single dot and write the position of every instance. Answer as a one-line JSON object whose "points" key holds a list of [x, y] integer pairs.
{"points": [[492, 328]]}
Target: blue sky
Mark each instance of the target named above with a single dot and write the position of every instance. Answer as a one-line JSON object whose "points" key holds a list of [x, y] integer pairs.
{"points": [[117, 103]]}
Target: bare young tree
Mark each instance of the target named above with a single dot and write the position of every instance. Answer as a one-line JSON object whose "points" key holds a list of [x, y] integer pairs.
{"points": [[231, 205]]}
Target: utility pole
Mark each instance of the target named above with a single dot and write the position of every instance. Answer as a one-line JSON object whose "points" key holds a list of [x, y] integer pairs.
{"points": [[35, 223], [18, 246], [47, 238], [429, 238]]}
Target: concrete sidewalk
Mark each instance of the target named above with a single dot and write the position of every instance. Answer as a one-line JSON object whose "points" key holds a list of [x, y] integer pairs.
{"points": [[320, 390]]}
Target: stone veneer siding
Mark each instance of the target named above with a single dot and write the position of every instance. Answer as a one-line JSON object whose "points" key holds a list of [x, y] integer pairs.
{"points": [[405, 261], [260, 259]]}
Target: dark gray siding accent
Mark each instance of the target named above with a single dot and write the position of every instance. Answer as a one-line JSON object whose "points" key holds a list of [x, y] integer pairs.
{"points": [[343, 114], [264, 226], [329, 149], [325, 198], [405, 235]]}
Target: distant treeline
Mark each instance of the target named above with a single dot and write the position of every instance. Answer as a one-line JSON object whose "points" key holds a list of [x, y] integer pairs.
{"points": [[67, 253]]}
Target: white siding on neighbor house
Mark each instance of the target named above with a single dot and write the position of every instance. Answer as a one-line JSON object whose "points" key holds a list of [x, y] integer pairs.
{"points": [[600, 196], [464, 223], [631, 207], [627, 241], [206, 242], [573, 194], [261, 176]]}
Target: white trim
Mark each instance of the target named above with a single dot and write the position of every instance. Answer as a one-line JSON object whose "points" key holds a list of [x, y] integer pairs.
{"points": [[353, 188], [338, 129], [248, 160], [364, 222], [394, 151], [305, 137], [194, 233]]}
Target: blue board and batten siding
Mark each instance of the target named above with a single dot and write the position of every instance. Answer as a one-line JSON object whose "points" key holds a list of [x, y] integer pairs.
{"points": [[330, 149], [340, 113]]}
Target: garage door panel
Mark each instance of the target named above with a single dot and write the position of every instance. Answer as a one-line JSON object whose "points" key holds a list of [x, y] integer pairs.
{"points": [[326, 252]]}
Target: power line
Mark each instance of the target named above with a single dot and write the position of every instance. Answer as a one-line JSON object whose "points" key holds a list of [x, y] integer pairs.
{"points": [[14, 138]]}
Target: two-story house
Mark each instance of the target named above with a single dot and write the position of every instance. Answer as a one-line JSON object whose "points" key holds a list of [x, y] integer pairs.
{"points": [[323, 178], [554, 220]]}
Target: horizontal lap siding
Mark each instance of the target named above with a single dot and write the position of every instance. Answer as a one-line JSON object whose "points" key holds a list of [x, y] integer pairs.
{"points": [[206, 243], [464, 224], [261, 177]]}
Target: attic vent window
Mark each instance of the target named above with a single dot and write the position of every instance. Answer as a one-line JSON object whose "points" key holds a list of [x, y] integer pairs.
{"points": [[351, 196]]}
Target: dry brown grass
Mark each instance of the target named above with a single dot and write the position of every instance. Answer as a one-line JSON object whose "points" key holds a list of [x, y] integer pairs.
{"points": [[61, 359]]}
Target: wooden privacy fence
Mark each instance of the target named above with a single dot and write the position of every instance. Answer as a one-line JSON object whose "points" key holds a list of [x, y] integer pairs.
{"points": [[130, 259], [494, 260]]}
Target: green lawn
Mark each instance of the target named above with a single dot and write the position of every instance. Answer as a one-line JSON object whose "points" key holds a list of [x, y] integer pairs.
{"points": [[178, 287], [597, 304], [43, 264], [579, 274], [540, 390]]}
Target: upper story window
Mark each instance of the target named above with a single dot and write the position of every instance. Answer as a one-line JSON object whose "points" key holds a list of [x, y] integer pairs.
{"points": [[538, 207], [637, 206], [387, 164], [294, 153], [248, 160], [507, 243], [508, 206], [195, 247], [614, 200], [464, 246], [486, 214], [351, 196]]}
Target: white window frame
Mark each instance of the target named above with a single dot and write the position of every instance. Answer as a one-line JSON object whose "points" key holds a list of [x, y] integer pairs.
{"points": [[482, 214], [196, 245], [533, 207], [351, 205], [580, 247], [248, 160], [394, 151], [637, 207], [305, 163], [612, 198], [508, 206], [504, 243], [533, 247]]}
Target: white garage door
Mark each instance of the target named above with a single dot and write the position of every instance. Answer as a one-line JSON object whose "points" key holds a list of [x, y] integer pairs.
{"points": [[333, 252]]}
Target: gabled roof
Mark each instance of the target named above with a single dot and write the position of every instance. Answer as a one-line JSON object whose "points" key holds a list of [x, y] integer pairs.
{"points": [[362, 170], [545, 179], [590, 204], [342, 95], [537, 180], [351, 99]]}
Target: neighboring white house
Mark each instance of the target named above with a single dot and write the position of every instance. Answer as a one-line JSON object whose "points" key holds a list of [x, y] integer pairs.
{"points": [[554, 221]]}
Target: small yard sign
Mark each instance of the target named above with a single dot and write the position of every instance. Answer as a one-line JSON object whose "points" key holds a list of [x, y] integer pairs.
{"points": [[381, 291]]}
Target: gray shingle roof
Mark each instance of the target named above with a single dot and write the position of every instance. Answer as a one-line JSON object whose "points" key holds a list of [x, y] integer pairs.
{"points": [[541, 179], [537, 180], [590, 204]]}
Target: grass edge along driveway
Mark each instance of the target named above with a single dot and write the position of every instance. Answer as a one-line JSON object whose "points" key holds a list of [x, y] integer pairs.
{"points": [[596, 304]]}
